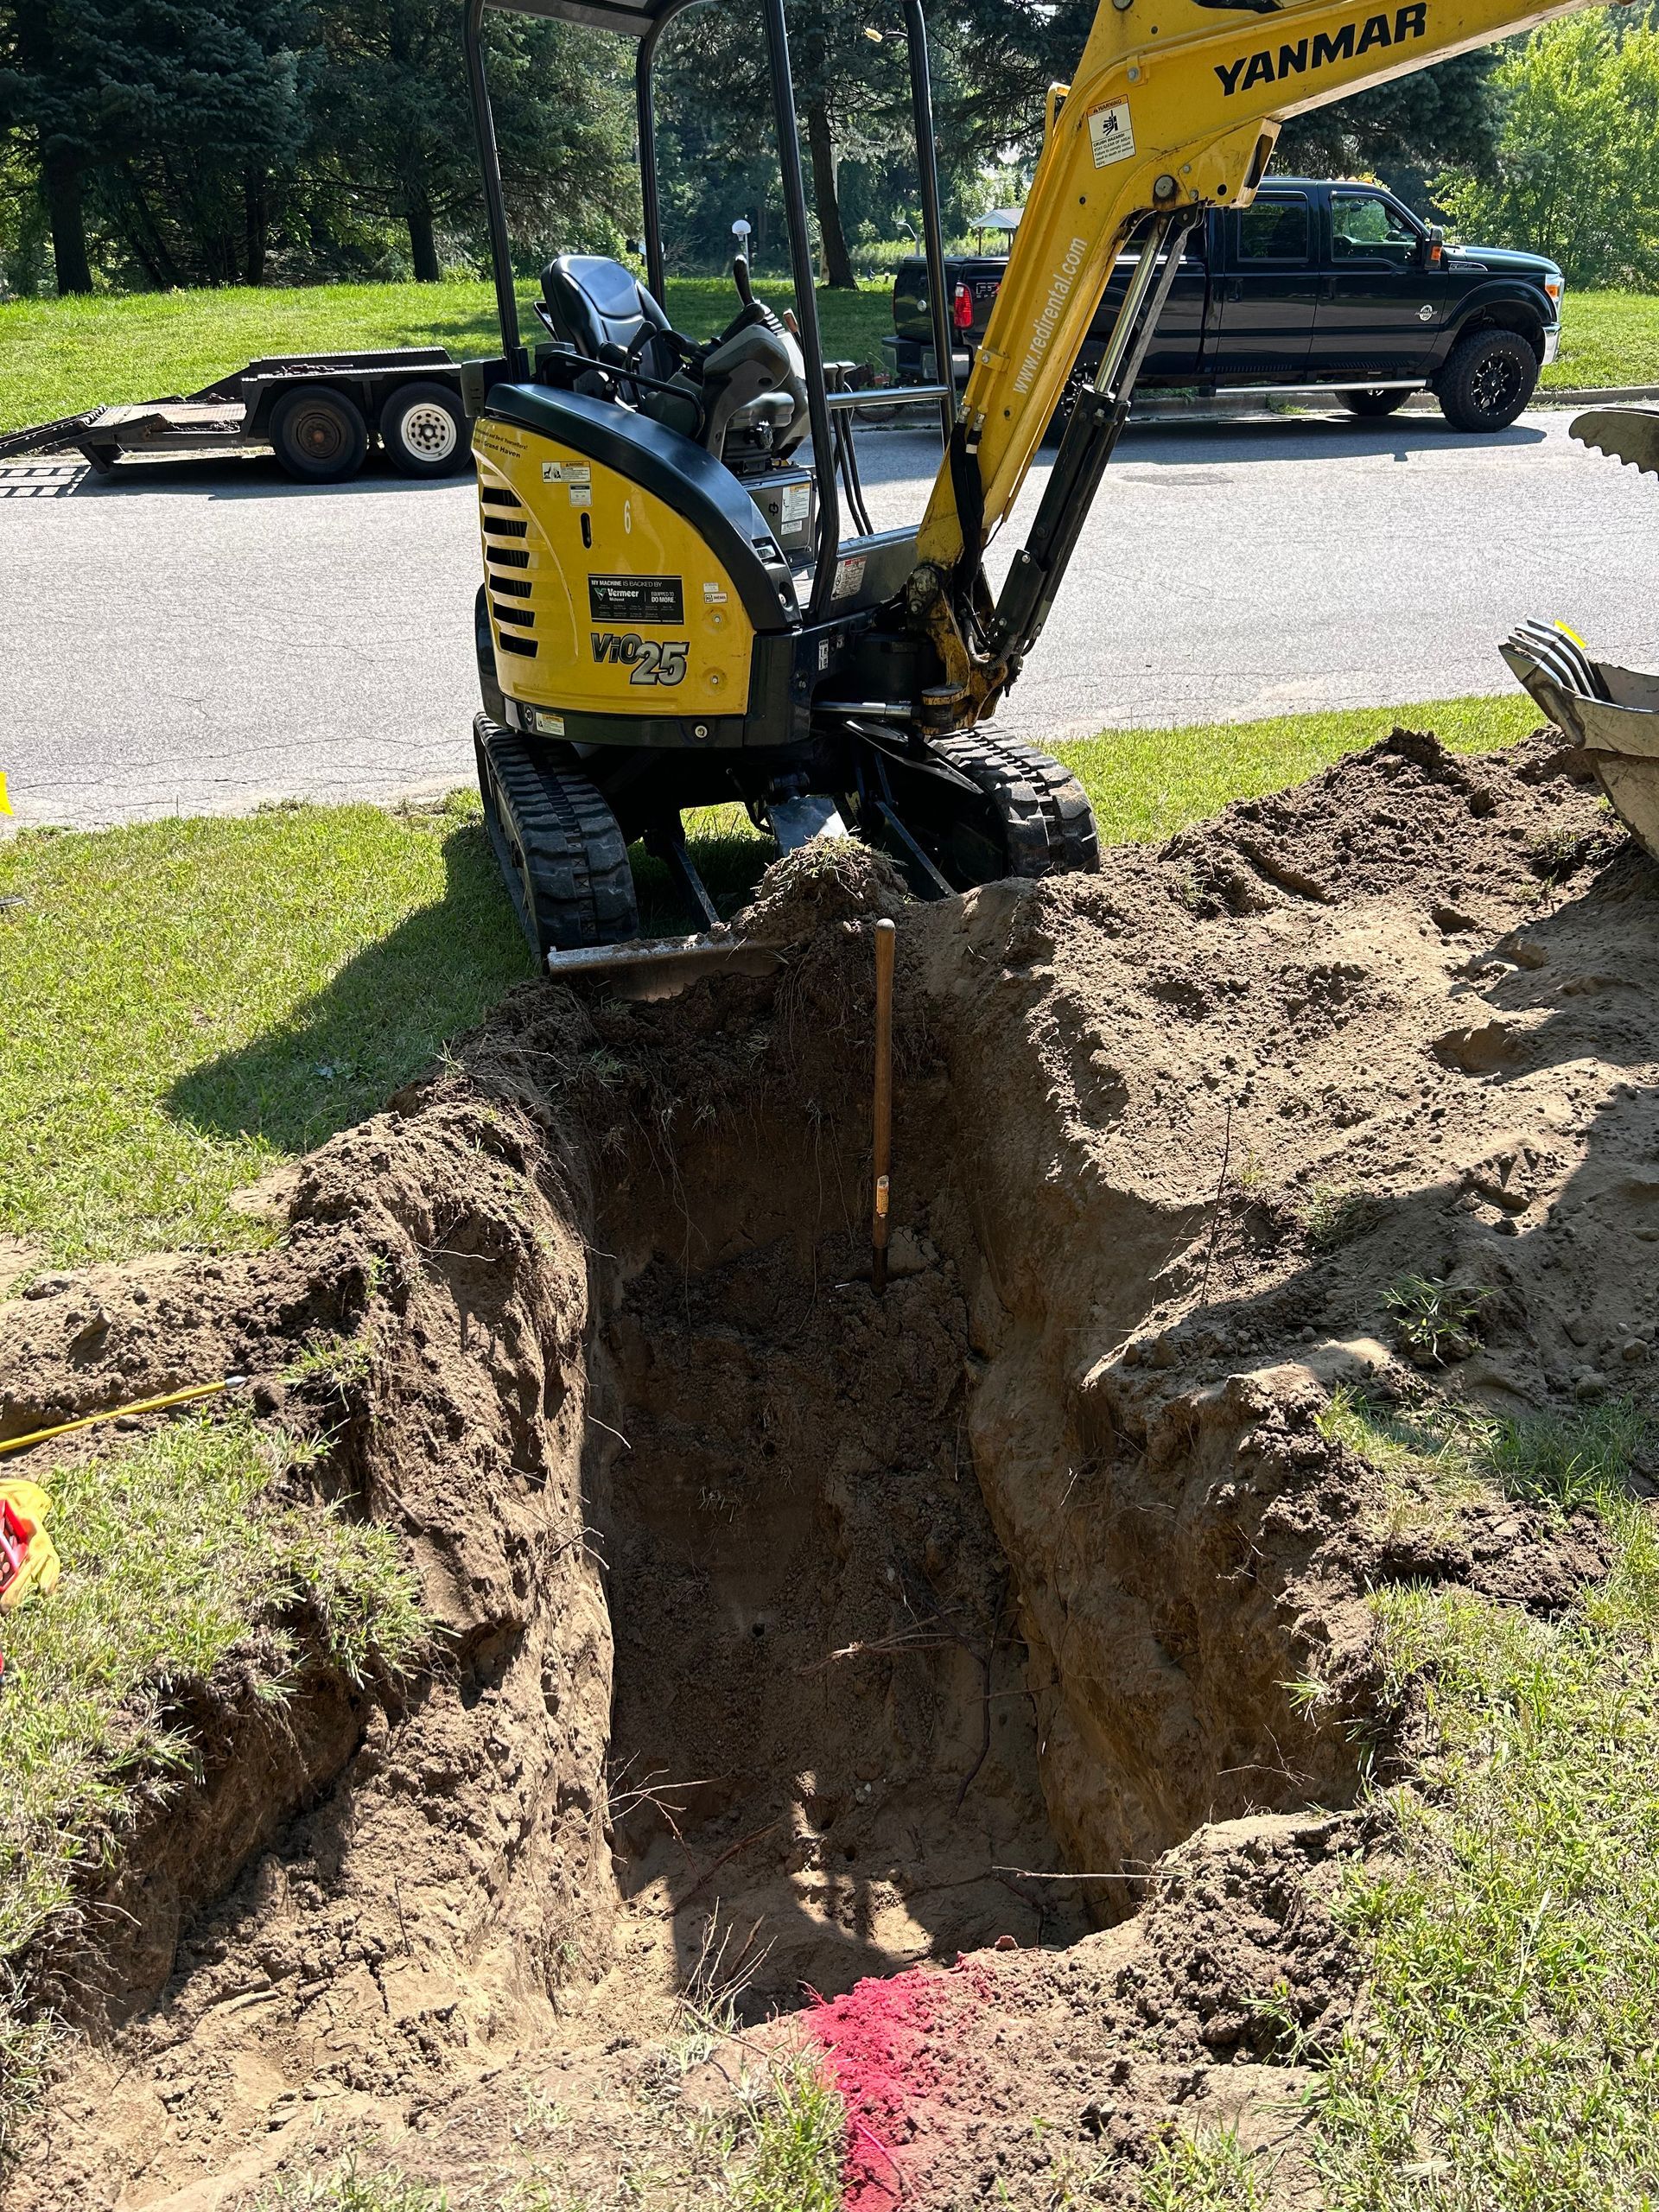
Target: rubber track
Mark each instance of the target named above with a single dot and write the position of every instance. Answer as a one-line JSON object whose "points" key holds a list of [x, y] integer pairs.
{"points": [[575, 852], [1049, 822]]}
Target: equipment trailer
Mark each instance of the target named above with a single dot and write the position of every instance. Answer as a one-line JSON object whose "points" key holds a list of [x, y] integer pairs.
{"points": [[317, 412]]}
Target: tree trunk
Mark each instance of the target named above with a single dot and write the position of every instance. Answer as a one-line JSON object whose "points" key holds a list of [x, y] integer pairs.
{"points": [[144, 233], [60, 183], [423, 246], [821, 145], [256, 213]]}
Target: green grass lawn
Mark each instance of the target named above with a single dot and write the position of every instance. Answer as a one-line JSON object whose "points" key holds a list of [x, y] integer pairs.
{"points": [[59, 356], [189, 1003], [1607, 338], [1507, 2057]]}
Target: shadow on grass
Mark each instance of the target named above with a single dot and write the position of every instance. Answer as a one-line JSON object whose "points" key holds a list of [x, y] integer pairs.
{"points": [[385, 1015], [728, 855], [390, 1009]]}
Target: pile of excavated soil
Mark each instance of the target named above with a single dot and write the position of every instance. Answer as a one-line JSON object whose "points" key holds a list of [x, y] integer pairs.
{"points": [[916, 1669]]}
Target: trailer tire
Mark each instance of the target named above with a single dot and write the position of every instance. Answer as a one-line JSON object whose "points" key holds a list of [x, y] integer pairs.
{"points": [[1489, 379], [424, 429], [1370, 405], [319, 435], [560, 849]]}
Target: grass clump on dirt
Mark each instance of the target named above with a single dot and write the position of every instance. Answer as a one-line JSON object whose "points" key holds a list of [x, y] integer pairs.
{"points": [[1436, 1321], [1208, 2172], [347, 2188], [174, 1560], [1333, 1217], [785, 2151], [778, 2147], [1558, 1461], [1506, 2055], [59, 356]]}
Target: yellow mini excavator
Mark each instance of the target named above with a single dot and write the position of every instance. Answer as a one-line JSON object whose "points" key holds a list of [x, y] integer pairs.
{"points": [[672, 612]]}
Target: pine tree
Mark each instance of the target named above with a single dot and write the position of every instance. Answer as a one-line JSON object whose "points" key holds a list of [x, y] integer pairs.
{"points": [[167, 111], [852, 98], [393, 125], [1448, 114]]}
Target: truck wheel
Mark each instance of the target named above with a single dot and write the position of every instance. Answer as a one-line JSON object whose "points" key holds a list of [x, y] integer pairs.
{"points": [[1034, 820], [424, 429], [489, 687], [1372, 403], [1488, 380], [319, 435], [559, 849]]}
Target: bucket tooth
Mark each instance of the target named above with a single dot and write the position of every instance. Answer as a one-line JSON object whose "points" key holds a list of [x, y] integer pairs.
{"points": [[1613, 713], [1626, 433]]}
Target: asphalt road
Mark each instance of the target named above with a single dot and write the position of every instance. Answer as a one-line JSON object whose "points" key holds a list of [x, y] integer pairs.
{"points": [[202, 634]]}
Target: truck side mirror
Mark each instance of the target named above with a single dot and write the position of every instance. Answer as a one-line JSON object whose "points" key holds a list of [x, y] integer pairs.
{"points": [[1433, 252]]}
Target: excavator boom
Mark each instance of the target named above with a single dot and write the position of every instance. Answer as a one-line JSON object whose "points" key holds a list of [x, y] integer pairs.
{"points": [[1174, 107]]}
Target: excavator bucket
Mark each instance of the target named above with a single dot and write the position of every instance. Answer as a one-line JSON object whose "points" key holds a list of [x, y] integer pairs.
{"points": [[1612, 713], [1627, 433]]}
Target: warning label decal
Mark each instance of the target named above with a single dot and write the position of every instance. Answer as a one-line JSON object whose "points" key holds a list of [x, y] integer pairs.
{"points": [[1111, 133]]}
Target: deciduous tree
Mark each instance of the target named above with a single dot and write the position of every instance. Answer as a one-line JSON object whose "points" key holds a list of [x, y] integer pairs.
{"points": [[1577, 171]]}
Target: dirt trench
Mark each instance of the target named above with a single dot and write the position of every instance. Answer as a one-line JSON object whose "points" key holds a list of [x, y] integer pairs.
{"points": [[792, 1639]]}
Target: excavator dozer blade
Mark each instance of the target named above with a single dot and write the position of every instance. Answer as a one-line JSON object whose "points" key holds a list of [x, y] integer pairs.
{"points": [[1628, 434], [1613, 713]]}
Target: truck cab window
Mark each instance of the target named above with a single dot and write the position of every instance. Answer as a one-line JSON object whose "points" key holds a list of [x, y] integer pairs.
{"points": [[1365, 227], [1274, 230]]}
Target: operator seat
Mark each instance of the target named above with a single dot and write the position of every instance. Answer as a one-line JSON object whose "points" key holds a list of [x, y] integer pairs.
{"points": [[748, 384], [593, 302]]}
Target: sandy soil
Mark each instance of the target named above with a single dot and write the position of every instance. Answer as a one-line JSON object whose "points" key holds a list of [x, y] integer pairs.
{"points": [[921, 1663]]}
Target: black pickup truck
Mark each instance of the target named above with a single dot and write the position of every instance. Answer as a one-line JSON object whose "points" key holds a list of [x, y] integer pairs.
{"points": [[1313, 286]]}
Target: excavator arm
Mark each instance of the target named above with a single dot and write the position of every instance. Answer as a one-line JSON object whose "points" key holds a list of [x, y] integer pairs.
{"points": [[1163, 119]]}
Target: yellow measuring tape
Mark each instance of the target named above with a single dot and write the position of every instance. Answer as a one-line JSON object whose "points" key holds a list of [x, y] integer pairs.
{"points": [[115, 1413]]}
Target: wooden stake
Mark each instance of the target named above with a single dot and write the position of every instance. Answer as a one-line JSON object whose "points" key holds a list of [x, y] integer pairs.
{"points": [[884, 935]]}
